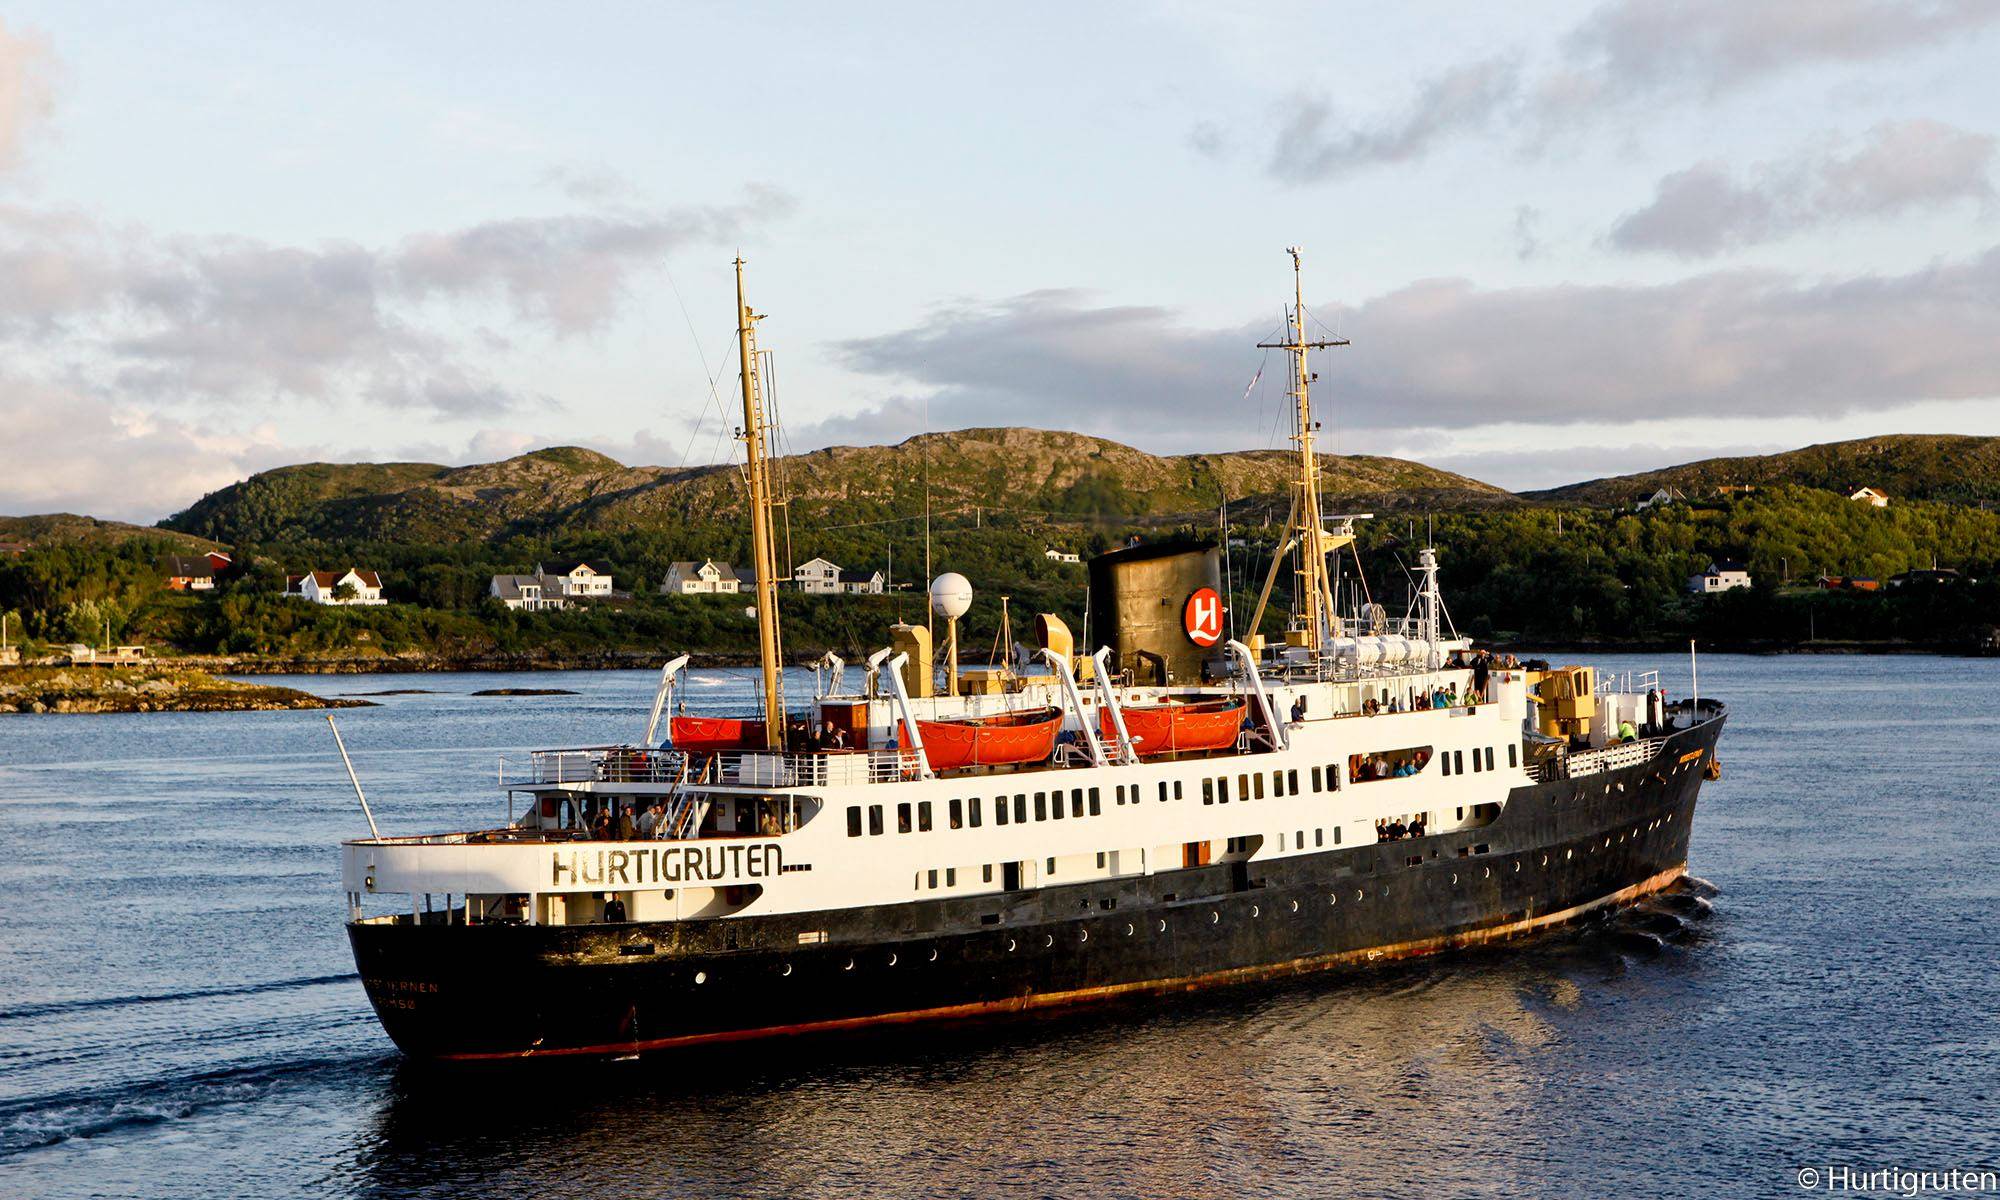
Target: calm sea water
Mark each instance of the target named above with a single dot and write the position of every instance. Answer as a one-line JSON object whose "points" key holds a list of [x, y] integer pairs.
{"points": [[179, 1015]]}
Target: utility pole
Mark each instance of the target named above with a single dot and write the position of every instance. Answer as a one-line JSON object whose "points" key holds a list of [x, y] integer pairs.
{"points": [[762, 544]]}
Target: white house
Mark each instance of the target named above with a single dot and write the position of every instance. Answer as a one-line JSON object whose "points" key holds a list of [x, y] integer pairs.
{"points": [[705, 578], [1869, 495], [1721, 576], [323, 587], [523, 592], [1659, 499], [819, 575], [574, 577], [1061, 556], [861, 583]]}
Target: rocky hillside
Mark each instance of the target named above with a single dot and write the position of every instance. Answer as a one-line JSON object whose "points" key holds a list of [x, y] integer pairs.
{"points": [[50, 528], [1060, 474], [1948, 467]]}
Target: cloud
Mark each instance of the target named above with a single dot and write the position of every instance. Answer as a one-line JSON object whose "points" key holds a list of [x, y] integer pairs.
{"points": [[1636, 47], [68, 451], [1625, 52], [1309, 148], [1447, 354], [1901, 166], [569, 272], [226, 319], [25, 96]]}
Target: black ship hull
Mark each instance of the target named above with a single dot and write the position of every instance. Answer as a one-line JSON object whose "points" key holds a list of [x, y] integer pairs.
{"points": [[1557, 851]]}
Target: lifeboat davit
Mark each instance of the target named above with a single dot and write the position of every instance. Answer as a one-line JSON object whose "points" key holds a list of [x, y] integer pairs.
{"points": [[1019, 737], [717, 733], [1179, 726]]}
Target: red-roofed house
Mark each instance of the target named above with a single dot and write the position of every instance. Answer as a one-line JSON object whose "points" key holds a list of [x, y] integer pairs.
{"points": [[324, 587]]}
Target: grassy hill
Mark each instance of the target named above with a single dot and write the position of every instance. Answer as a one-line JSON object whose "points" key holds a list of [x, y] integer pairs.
{"points": [[565, 489], [1947, 467]]}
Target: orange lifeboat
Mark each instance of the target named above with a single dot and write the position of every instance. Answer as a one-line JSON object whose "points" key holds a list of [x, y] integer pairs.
{"points": [[1179, 726], [1020, 737], [717, 733]]}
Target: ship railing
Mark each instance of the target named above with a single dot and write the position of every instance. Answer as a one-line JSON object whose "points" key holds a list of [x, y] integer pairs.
{"points": [[738, 768], [1628, 683], [1612, 758]]}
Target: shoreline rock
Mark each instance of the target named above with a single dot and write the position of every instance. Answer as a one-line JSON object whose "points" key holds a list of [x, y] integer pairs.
{"points": [[30, 690]]}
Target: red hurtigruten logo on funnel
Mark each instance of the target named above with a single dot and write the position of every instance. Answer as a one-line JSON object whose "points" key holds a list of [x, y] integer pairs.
{"points": [[1203, 617]]}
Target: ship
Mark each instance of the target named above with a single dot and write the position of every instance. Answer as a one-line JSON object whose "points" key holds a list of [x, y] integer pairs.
{"points": [[1182, 807]]}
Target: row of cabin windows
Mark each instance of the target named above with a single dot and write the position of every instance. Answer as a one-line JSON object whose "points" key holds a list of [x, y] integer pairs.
{"points": [[1283, 783], [1482, 759], [970, 813], [1299, 839]]}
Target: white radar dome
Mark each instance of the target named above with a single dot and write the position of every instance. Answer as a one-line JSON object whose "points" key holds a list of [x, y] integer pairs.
{"points": [[951, 595]]}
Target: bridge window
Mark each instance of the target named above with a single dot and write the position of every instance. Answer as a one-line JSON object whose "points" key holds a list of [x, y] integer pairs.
{"points": [[1333, 777], [1076, 802], [1292, 780], [1020, 808], [1042, 806], [958, 814], [1458, 762], [923, 816], [1207, 791], [903, 817], [1477, 766], [874, 820], [1315, 778], [1177, 789], [1489, 758], [1163, 790], [972, 812], [854, 821], [1000, 810], [1388, 764], [1096, 807], [1222, 790], [1513, 755], [1257, 781], [951, 876]]}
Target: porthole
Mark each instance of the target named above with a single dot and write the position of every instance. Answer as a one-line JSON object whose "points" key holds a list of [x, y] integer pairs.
{"points": [[892, 958], [1163, 927], [1256, 911], [1295, 906], [1517, 866], [1545, 860], [701, 976], [1358, 893], [1332, 898], [1048, 939], [1129, 931], [1083, 935], [849, 966], [1010, 945], [1454, 880], [933, 954], [1486, 873], [1568, 854], [785, 969], [1214, 917]]}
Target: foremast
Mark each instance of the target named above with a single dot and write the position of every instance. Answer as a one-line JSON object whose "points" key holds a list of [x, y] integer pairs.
{"points": [[1314, 621], [763, 545]]}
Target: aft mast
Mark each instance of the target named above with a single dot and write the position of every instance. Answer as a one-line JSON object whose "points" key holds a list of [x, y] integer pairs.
{"points": [[1314, 621], [763, 545]]}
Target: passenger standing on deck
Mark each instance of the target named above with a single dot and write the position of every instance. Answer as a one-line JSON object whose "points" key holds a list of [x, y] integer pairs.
{"points": [[1482, 670], [649, 820], [614, 910], [623, 827]]}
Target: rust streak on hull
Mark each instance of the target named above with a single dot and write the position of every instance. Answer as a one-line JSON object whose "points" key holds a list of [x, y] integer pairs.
{"points": [[1051, 1000]]}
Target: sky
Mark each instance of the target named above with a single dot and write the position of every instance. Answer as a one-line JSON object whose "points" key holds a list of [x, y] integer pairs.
{"points": [[1564, 240]]}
